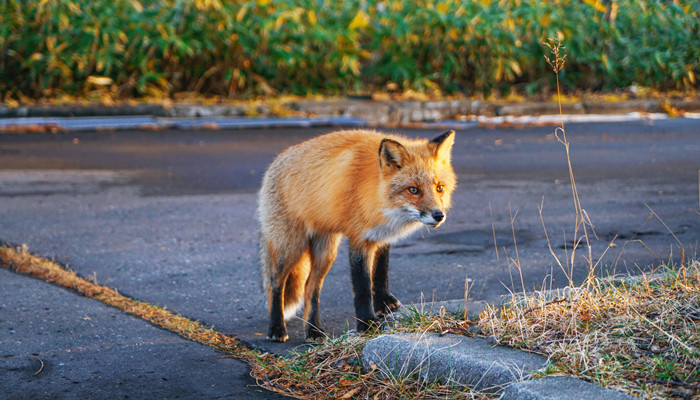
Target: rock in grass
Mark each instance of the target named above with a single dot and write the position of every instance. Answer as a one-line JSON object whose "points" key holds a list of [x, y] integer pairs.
{"points": [[449, 359], [560, 388]]}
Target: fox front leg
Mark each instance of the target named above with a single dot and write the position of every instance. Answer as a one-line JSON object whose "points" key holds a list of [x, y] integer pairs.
{"points": [[384, 301], [360, 266]]}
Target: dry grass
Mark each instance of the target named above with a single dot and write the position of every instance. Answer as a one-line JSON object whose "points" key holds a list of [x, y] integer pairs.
{"points": [[331, 370], [22, 261], [642, 337]]}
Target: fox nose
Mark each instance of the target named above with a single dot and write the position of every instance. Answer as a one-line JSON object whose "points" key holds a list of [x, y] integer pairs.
{"points": [[438, 216]]}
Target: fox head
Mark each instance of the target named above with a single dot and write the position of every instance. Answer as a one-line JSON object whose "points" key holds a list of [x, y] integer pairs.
{"points": [[419, 179]]}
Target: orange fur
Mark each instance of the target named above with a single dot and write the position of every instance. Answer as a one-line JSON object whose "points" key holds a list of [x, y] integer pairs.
{"points": [[346, 183]]}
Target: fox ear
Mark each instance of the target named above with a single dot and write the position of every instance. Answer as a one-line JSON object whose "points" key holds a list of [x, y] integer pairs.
{"points": [[392, 154], [442, 146]]}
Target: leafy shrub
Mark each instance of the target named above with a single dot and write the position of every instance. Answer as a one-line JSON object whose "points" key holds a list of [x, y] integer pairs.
{"points": [[265, 47]]}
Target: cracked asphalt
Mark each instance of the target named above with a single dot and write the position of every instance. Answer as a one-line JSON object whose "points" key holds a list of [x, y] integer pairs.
{"points": [[168, 217]]}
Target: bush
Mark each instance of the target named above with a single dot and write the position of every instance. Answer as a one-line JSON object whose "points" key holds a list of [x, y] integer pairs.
{"points": [[130, 48]]}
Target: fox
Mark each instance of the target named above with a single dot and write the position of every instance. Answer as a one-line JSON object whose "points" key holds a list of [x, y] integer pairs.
{"points": [[370, 187]]}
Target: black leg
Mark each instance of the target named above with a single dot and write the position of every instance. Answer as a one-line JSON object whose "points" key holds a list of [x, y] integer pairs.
{"points": [[278, 329], [362, 288], [384, 301]]}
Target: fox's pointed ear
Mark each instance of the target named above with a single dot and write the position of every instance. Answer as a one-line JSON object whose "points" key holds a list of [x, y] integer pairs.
{"points": [[392, 154], [443, 146]]}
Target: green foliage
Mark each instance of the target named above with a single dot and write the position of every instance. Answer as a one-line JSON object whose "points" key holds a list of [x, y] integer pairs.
{"points": [[130, 48]]}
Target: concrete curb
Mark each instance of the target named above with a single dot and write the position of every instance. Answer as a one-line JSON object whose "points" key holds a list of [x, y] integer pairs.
{"points": [[559, 388], [449, 359], [55, 124], [352, 113], [462, 361], [373, 111]]}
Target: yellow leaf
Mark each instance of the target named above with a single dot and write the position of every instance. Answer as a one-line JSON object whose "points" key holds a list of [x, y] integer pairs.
{"points": [[515, 67], [137, 6], [74, 8], [442, 7], [509, 23], [453, 34], [361, 20], [99, 80], [163, 32], [595, 4], [207, 4], [241, 13], [350, 393], [312, 17]]}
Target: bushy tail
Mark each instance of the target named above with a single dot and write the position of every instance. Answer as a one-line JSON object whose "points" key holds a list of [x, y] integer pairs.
{"points": [[294, 286]]}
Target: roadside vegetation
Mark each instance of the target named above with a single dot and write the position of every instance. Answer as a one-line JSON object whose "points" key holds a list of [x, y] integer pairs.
{"points": [[170, 49], [640, 336]]}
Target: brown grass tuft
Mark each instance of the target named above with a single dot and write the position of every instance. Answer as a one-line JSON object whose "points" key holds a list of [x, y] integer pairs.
{"points": [[641, 337]]}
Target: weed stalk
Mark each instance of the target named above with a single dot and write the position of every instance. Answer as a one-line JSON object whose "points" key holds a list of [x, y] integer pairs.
{"points": [[557, 62]]}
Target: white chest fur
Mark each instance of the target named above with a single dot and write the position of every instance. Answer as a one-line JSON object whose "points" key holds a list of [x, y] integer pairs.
{"points": [[399, 224]]}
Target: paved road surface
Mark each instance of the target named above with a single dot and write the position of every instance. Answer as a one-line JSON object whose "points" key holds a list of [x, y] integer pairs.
{"points": [[168, 216]]}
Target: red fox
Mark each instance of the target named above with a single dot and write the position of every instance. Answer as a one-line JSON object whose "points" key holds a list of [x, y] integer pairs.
{"points": [[370, 187]]}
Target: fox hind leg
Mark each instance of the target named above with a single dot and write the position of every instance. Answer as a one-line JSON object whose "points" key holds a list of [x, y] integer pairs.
{"points": [[288, 272], [384, 301], [323, 250]]}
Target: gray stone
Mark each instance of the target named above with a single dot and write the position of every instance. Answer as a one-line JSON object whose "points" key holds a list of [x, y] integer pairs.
{"points": [[196, 111], [81, 110], [521, 109], [598, 107], [373, 111], [479, 107], [690, 105], [560, 388], [386, 112], [449, 359]]}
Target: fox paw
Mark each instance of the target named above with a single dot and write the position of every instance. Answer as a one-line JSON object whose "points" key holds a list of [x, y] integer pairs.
{"points": [[277, 334], [315, 334], [368, 324], [385, 304]]}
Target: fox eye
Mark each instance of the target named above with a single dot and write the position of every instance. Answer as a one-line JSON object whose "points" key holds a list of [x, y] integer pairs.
{"points": [[413, 190], [440, 188]]}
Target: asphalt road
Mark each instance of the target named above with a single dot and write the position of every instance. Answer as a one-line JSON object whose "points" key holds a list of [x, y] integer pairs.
{"points": [[167, 217]]}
